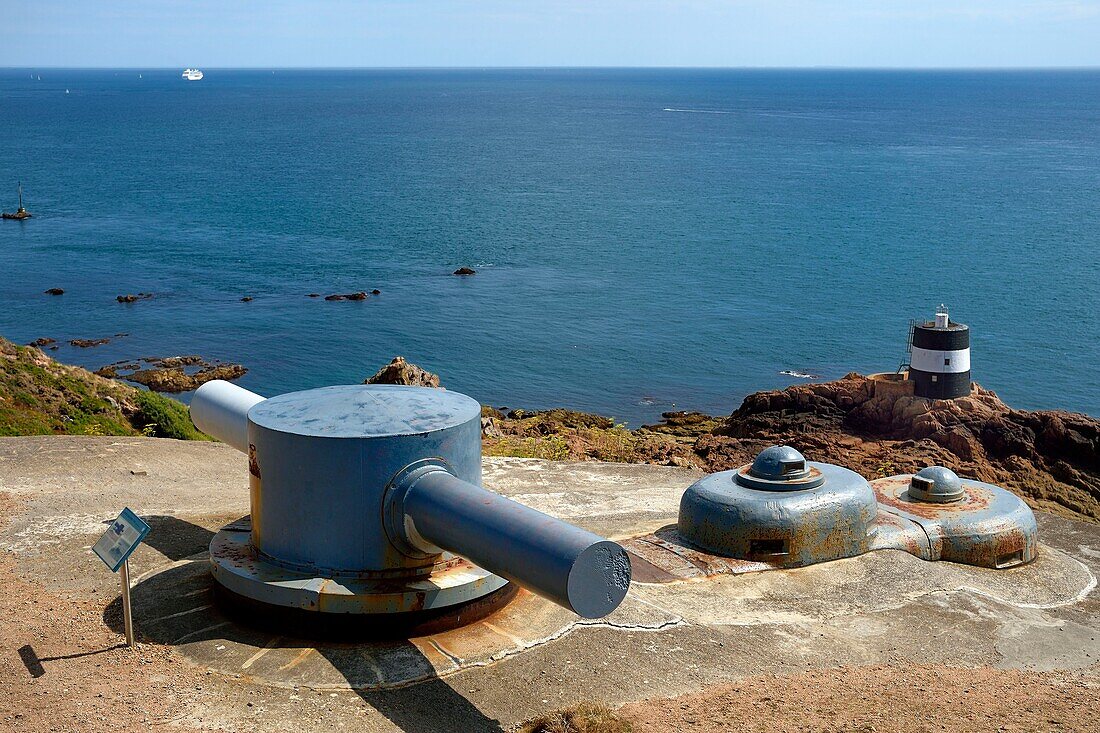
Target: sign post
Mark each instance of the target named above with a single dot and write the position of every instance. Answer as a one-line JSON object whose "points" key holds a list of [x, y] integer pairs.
{"points": [[114, 549]]}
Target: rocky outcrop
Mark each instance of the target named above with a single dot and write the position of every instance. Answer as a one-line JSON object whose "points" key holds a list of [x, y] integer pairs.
{"points": [[88, 343], [402, 372], [55, 291], [173, 373], [1052, 458], [465, 271], [130, 298], [684, 424], [177, 380]]}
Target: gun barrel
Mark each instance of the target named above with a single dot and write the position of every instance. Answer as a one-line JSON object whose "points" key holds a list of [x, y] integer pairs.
{"points": [[568, 565], [220, 409]]}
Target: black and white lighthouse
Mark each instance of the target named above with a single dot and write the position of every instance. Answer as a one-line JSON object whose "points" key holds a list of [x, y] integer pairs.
{"points": [[939, 361]]}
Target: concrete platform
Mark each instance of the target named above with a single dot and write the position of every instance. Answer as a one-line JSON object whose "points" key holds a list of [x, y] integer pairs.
{"points": [[666, 639]]}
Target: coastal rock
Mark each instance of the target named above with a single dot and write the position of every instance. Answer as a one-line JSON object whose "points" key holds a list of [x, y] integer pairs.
{"points": [[376, 291], [361, 295], [55, 291], [87, 343], [246, 299], [173, 362], [133, 298], [490, 429], [684, 424], [314, 295], [569, 434], [41, 342], [1050, 457], [175, 379], [465, 271], [172, 373], [402, 372]]}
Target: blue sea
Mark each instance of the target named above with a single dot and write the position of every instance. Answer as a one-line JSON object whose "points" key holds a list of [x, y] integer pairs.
{"points": [[644, 240]]}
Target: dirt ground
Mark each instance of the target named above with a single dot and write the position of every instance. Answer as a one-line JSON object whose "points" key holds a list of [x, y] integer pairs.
{"points": [[63, 669], [880, 699]]}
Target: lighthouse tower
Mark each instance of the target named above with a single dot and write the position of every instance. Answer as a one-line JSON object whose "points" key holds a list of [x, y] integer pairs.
{"points": [[939, 362]]}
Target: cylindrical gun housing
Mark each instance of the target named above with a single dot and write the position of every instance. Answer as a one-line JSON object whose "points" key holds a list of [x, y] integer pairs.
{"points": [[221, 409], [566, 564], [322, 460], [376, 482]]}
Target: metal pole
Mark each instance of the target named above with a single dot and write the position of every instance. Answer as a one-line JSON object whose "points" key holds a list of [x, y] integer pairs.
{"points": [[127, 614]]}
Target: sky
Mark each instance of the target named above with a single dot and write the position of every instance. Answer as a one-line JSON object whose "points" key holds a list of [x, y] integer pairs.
{"points": [[481, 33]]}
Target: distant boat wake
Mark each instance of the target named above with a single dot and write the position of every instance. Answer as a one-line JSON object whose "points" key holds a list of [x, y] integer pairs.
{"points": [[698, 111], [800, 375]]}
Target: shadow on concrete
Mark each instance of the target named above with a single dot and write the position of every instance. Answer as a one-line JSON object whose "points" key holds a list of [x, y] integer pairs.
{"points": [[179, 607], [429, 706], [175, 538]]}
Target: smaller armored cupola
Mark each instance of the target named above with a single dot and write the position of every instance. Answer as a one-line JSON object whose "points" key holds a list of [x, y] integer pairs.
{"points": [[780, 509], [936, 484], [779, 468]]}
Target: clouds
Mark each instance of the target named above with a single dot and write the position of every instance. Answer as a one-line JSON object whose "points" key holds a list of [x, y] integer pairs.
{"points": [[279, 33]]}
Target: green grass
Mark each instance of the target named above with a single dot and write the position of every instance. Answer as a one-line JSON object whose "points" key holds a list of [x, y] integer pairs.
{"points": [[162, 417], [39, 396], [550, 448]]}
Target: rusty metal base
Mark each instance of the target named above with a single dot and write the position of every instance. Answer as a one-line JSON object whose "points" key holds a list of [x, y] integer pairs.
{"points": [[347, 627], [249, 578]]}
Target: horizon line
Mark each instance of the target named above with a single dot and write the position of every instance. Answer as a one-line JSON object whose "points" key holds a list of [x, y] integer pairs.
{"points": [[817, 67]]}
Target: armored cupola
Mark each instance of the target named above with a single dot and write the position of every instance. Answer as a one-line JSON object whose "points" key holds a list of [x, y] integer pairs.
{"points": [[780, 509], [936, 484], [779, 468]]}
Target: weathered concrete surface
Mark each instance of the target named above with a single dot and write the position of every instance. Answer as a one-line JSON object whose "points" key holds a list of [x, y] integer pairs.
{"points": [[886, 607]]}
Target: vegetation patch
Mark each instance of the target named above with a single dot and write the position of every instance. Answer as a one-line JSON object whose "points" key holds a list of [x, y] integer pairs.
{"points": [[39, 396], [584, 718]]}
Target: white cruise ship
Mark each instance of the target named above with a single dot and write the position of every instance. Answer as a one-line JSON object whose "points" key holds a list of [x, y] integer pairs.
{"points": [[191, 74]]}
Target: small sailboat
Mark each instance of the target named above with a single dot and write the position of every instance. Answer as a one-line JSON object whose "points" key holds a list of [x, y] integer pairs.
{"points": [[22, 213]]}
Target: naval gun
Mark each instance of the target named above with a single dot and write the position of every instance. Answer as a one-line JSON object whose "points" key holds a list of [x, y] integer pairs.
{"points": [[366, 500]]}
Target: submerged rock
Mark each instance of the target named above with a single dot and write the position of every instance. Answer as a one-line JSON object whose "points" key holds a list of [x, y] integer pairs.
{"points": [[361, 295], [133, 298], [86, 343], [42, 342], [465, 271], [55, 291], [246, 299], [402, 372]]}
